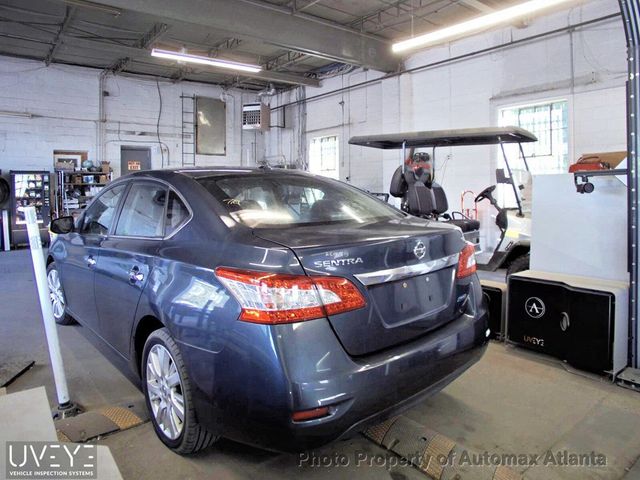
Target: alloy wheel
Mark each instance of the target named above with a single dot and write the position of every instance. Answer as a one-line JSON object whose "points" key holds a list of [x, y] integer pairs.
{"points": [[164, 388], [56, 294]]}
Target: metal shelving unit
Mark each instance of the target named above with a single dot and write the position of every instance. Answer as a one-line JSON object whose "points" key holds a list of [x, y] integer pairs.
{"points": [[72, 196]]}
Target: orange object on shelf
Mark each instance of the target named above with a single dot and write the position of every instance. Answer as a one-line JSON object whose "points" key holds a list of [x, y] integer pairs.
{"points": [[597, 161], [588, 167]]}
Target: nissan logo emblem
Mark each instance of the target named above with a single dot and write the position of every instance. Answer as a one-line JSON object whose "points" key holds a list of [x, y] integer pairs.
{"points": [[419, 250]]}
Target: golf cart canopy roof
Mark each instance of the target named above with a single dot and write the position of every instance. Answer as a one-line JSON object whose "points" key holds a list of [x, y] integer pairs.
{"points": [[447, 138]]}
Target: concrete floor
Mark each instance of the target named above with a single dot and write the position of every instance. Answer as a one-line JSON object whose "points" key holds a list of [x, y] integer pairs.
{"points": [[512, 401]]}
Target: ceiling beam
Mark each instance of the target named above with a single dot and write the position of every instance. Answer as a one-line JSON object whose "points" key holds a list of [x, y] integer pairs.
{"points": [[119, 65], [145, 41], [56, 41], [261, 21], [478, 5], [226, 44], [136, 53], [153, 35], [283, 60], [399, 9]]}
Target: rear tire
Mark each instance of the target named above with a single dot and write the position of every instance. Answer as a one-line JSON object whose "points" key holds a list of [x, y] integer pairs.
{"points": [[168, 394], [58, 299], [520, 264]]}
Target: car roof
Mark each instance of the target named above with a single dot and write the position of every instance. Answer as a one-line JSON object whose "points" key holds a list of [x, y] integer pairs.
{"points": [[203, 172], [446, 138]]}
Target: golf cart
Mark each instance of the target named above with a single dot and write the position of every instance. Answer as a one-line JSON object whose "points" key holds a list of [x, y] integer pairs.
{"points": [[415, 183]]}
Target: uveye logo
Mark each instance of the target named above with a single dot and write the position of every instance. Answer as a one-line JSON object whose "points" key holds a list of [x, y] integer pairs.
{"points": [[535, 307], [30, 460], [533, 340]]}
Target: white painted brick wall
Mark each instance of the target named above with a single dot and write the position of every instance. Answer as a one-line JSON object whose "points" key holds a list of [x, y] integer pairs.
{"points": [[65, 104]]}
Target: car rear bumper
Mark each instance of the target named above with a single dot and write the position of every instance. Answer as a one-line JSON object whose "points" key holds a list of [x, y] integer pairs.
{"points": [[255, 406], [381, 387]]}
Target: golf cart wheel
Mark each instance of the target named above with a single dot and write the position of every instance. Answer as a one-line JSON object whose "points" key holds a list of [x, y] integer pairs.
{"points": [[520, 264], [58, 299], [167, 391]]}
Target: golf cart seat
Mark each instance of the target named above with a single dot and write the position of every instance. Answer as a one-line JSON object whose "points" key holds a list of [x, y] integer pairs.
{"points": [[442, 205], [398, 186], [420, 200], [427, 201]]}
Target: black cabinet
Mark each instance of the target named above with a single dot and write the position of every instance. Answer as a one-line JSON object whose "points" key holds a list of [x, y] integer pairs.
{"points": [[495, 295], [571, 323]]}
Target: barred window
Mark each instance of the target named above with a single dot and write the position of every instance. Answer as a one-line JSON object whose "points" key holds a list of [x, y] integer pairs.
{"points": [[323, 156], [550, 123]]}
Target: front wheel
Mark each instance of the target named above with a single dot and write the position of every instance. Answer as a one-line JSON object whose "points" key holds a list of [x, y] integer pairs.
{"points": [[168, 395], [58, 299], [520, 264]]}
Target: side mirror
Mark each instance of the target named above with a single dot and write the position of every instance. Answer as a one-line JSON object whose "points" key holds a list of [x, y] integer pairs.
{"points": [[62, 225]]}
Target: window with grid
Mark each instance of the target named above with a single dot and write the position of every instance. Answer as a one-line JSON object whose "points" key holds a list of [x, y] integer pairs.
{"points": [[550, 123], [323, 156]]}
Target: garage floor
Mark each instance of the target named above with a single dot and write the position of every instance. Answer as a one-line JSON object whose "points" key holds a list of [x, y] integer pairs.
{"points": [[510, 402]]}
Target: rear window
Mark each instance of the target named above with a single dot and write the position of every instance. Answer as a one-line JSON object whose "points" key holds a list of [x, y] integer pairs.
{"points": [[268, 201]]}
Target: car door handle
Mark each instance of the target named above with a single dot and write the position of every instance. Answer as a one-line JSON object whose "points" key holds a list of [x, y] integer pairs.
{"points": [[135, 275], [91, 262]]}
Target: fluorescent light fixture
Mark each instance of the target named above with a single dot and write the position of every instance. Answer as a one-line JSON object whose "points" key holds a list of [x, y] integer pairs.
{"points": [[477, 24], [6, 113], [214, 62]]}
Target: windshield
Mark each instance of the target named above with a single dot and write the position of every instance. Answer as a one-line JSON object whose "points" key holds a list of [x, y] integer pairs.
{"points": [[268, 201]]}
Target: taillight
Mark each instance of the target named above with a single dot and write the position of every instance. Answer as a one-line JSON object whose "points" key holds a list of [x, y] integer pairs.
{"points": [[467, 262], [274, 298]]}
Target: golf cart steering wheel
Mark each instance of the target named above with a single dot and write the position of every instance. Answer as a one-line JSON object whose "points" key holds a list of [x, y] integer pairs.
{"points": [[486, 193]]}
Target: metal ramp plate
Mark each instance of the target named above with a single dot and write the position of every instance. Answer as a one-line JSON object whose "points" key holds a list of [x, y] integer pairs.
{"points": [[101, 422], [10, 369], [435, 455]]}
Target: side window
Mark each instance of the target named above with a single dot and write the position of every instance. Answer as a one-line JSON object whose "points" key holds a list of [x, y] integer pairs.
{"points": [[143, 211], [177, 213], [98, 218]]}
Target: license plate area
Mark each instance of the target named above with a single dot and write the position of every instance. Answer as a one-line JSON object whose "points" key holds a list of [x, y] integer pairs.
{"points": [[417, 300]]}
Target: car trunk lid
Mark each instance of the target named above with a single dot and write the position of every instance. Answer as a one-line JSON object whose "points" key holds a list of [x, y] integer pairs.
{"points": [[405, 269]]}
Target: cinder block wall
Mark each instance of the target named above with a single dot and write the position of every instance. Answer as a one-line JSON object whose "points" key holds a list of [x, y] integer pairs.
{"points": [[64, 102]]}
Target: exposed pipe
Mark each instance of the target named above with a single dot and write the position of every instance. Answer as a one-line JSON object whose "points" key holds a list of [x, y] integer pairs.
{"points": [[101, 118], [455, 59]]}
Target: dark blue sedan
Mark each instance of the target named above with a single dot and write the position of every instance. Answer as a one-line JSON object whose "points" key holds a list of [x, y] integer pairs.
{"points": [[273, 307]]}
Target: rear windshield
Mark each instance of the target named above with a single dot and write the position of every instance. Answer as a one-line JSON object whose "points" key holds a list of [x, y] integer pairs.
{"points": [[268, 201]]}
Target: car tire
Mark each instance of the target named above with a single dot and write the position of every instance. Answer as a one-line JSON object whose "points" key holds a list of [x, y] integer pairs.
{"points": [[58, 299], [164, 392], [520, 264]]}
